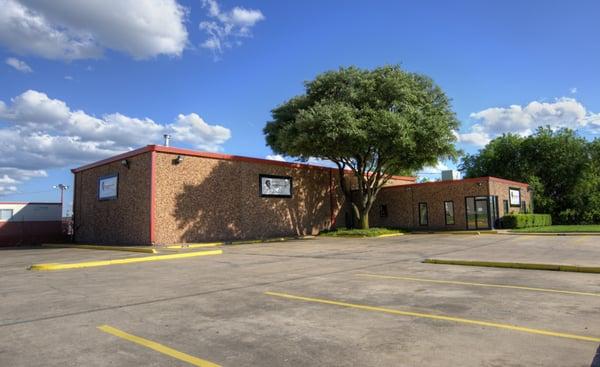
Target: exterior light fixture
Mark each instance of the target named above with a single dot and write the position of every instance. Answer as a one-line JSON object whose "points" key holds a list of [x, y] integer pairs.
{"points": [[178, 160], [125, 163]]}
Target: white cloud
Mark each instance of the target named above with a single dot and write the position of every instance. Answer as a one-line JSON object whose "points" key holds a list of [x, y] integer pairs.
{"points": [[72, 29], [433, 173], [11, 177], [192, 129], [7, 190], [18, 65], [275, 157], [437, 169], [68, 77], [573, 90], [39, 132], [228, 27], [523, 120]]}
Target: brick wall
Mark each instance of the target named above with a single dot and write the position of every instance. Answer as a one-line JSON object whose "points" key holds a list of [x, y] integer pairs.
{"points": [[205, 199], [403, 202], [125, 220], [501, 188]]}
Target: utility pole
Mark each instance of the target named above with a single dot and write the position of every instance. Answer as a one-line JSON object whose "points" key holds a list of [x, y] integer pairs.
{"points": [[62, 189]]}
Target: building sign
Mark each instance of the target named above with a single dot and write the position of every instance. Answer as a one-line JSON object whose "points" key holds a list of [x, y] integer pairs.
{"points": [[515, 196], [107, 187], [275, 186]]}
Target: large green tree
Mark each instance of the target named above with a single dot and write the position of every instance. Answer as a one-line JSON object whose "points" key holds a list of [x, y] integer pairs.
{"points": [[376, 123], [561, 168]]}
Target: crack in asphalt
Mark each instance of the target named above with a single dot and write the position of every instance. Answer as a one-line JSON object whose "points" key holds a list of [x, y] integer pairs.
{"points": [[247, 286]]}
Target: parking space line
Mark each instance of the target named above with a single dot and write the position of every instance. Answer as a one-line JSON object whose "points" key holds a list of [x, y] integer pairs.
{"points": [[89, 264], [481, 284], [581, 240], [435, 317], [195, 361]]}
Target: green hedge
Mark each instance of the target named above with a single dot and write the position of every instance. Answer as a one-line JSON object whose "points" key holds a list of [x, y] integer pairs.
{"points": [[526, 220]]}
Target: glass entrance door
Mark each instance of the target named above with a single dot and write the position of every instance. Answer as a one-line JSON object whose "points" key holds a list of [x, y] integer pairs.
{"points": [[478, 212], [483, 213]]}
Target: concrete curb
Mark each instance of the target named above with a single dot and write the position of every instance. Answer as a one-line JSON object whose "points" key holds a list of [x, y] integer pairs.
{"points": [[195, 245], [514, 265], [468, 233], [357, 236], [144, 250], [89, 264], [388, 235], [241, 242], [549, 234]]}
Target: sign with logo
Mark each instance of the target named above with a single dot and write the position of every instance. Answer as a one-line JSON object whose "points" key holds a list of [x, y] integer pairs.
{"points": [[108, 187], [514, 196], [275, 186]]}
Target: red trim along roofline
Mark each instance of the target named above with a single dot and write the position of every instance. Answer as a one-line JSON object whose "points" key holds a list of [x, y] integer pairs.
{"points": [[193, 153], [464, 180], [26, 203], [115, 158]]}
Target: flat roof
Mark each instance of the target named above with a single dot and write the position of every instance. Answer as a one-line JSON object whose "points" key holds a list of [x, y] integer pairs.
{"points": [[26, 203], [194, 153], [464, 180]]}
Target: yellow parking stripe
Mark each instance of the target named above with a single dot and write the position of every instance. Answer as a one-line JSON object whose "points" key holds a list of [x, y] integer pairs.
{"points": [[481, 284], [514, 265], [436, 317], [89, 264], [195, 361]]}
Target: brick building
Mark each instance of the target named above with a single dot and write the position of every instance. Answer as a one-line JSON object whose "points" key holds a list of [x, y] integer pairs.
{"points": [[161, 195], [473, 203]]}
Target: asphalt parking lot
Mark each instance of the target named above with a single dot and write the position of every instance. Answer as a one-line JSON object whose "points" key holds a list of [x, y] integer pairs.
{"points": [[324, 302]]}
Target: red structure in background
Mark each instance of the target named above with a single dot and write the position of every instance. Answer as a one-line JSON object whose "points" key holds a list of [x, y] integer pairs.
{"points": [[23, 223]]}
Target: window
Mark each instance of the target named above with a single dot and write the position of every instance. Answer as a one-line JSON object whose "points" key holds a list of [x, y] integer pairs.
{"points": [[383, 213], [449, 210], [423, 215], [506, 209], [514, 194], [6, 214]]}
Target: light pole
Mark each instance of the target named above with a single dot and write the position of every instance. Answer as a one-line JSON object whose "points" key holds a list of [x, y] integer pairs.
{"points": [[62, 189]]}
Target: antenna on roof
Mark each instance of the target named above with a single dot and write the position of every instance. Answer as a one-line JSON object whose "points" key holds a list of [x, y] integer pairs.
{"points": [[167, 139]]}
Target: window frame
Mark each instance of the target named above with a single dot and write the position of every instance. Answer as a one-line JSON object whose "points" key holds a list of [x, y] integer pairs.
{"points": [[520, 199], [383, 211], [446, 213], [426, 214]]}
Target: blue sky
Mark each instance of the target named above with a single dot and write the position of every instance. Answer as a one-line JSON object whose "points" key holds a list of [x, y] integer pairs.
{"points": [[81, 81]]}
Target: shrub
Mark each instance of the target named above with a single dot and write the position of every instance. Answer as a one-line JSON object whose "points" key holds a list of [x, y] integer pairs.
{"points": [[526, 220]]}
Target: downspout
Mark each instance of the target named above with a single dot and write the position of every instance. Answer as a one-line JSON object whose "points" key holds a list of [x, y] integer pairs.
{"points": [[152, 195], [331, 209]]}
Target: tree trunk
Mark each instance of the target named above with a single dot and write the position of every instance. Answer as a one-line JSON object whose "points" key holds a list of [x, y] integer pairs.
{"points": [[364, 220]]}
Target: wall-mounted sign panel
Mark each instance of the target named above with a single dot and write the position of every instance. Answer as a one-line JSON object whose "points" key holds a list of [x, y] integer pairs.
{"points": [[515, 196], [108, 187], [275, 186]]}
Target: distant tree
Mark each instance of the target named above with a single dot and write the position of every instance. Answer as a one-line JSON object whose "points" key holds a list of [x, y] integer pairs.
{"points": [[376, 123], [561, 168]]}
